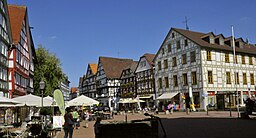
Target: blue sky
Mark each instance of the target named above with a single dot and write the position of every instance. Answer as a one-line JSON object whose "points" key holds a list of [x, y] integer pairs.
{"points": [[79, 31]]}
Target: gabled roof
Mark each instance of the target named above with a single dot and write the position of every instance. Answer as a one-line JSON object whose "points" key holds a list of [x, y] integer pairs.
{"points": [[196, 38], [94, 68], [16, 15], [149, 58], [113, 67]]}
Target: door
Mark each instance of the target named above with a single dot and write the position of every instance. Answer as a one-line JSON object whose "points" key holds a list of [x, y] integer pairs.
{"points": [[220, 102]]}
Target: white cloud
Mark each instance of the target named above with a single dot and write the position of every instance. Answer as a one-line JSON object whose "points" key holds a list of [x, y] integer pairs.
{"points": [[53, 37]]}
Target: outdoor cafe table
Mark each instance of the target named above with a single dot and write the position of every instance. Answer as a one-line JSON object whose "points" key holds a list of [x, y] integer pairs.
{"points": [[6, 128]]}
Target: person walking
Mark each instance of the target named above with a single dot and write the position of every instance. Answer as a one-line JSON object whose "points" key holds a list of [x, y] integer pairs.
{"points": [[69, 122], [77, 121], [96, 127]]}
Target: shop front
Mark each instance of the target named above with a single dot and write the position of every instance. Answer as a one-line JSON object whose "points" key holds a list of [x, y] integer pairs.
{"points": [[226, 100], [166, 98]]}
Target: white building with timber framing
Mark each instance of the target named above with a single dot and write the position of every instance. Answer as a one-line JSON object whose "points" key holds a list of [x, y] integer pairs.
{"points": [[204, 62]]}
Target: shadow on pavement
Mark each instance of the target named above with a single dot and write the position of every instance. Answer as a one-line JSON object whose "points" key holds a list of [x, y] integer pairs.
{"points": [[208, 128]]}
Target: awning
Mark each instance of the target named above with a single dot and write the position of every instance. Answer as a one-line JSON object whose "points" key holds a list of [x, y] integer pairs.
{"points": [[146, 97], [167, 95]]}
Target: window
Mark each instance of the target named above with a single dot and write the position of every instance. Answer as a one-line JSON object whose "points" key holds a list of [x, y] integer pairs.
{"points": [[165, 63], [166, 80], [178, 44], [226, 57], [228, 78], [160, 83], [237, 78], [159, 65], [210, 81], [174, 62], [162, 51], [236, 59], [185, 79], [173, 35], [184, 59], [252, 78], [186, 42], [175, 80], [193, 56], [244, 79], [250, 61], [169, 48], [243, 59], [194, 79], [209, 56]]}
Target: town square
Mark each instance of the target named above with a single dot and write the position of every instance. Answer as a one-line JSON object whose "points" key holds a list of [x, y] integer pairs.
{"points": [[135, 69]]}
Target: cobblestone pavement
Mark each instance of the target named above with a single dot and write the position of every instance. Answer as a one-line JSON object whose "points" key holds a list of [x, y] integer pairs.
{"points": [[167, 121]]}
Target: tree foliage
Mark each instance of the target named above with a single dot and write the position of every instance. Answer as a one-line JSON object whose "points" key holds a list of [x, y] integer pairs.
{"points": [[47, 69]]}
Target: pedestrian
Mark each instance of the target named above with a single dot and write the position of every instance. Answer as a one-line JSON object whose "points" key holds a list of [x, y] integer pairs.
{"points": [[87, 117], [96, 127], [69, 122], [76, 119]]}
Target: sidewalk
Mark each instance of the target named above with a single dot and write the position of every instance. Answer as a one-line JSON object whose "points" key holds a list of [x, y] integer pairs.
{"points": [[89, 132]]}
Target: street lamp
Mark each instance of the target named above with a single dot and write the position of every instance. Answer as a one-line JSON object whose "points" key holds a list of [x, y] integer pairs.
{"points": [[42, 86]]}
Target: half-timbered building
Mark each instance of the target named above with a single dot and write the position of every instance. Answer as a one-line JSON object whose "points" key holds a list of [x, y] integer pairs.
{"points": [[145, 79], [204, 63], [108, 80], [89, 84], [20, 57], [5, 41]]}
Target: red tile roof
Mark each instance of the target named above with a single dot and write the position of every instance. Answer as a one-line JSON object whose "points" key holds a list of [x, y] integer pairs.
{"points": [[113, 67], [196, 37], [149, 58], [16, 15], [74, 89], [94, 68]]}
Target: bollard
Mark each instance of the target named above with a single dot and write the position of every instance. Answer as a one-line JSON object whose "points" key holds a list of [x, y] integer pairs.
{"points": [[207, 109], [187, 111]]}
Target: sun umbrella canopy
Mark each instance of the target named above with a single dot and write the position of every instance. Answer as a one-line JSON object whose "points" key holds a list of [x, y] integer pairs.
{"points": [[6, 102], [32, 100], [82, 100]]}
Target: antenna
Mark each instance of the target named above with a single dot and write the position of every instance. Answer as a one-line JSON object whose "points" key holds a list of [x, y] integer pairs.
{"points": [[186, 22]]}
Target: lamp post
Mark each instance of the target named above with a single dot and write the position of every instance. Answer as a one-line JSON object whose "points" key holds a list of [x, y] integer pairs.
{"points": [[42, 86]]}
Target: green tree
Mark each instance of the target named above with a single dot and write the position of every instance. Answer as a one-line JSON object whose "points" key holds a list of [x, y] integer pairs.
{"points": [[48, 69]]}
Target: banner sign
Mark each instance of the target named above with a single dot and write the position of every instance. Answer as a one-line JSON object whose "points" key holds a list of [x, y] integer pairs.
{"points": [[57, 121], [57, 94]]}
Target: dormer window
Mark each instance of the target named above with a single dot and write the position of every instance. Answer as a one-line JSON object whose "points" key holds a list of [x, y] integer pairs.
{"points": [[217, 41]]}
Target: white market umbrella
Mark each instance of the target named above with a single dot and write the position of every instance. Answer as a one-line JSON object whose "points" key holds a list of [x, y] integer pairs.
{"points": [[6, 102], [32, 100], [82, 100], [49, 101]]}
